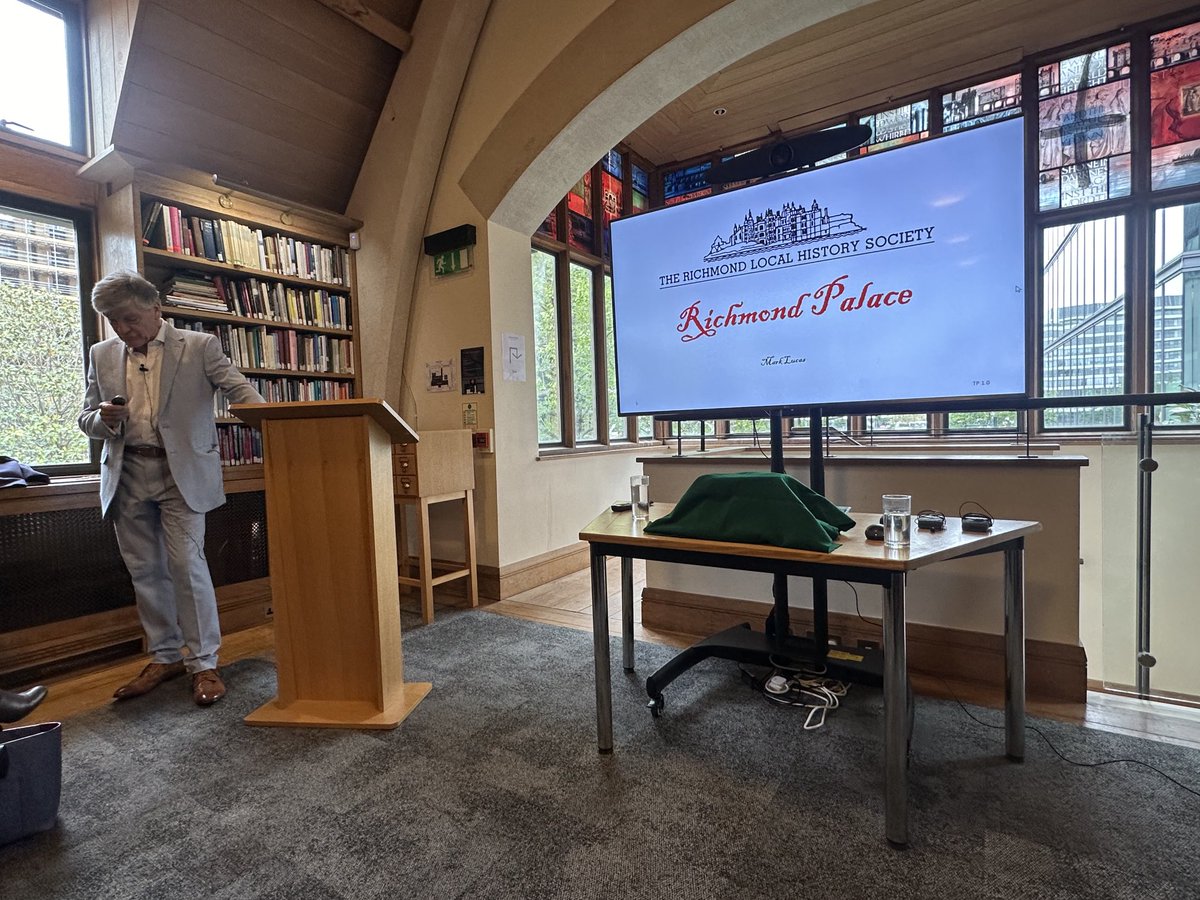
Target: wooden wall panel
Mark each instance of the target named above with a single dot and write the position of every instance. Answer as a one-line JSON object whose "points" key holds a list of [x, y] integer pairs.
{"points": [[109, 27], [231, 150], [43, 175], [249, 105], [281, 96]]}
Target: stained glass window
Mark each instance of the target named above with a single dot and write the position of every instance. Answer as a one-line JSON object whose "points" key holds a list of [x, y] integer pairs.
{"points": [[574, 332], [549, 227], [641, 190], [579, 209], [612, 162], [1083, 129], [612, 192], [1175, 107], [686, 184], [979, 103], [893, 127]]}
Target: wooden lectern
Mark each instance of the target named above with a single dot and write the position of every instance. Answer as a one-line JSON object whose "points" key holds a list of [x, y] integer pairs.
{"points": [[332, 549]]}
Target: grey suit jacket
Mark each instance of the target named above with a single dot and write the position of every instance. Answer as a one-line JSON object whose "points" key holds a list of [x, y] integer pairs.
{"points": [[194, 368]]}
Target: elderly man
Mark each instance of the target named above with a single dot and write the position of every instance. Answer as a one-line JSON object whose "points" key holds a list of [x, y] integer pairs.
{"points": [[150, 399]]}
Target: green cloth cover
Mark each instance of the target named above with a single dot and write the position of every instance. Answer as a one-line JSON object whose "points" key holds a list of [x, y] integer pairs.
{"points": [[755, 508]]}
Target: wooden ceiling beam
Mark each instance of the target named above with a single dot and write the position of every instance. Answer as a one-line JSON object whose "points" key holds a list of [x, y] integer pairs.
{"points": [[371, 20]]}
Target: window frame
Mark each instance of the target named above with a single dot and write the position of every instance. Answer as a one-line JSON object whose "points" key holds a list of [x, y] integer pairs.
{"points": [[82, 220], [72, 15], [599, 263]]}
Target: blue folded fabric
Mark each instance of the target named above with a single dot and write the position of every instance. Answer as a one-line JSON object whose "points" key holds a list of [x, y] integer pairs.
{"points": [[16, 474]]}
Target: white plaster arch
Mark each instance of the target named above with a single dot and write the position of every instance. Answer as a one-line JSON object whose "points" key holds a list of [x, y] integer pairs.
{"points": [[731, 33]]}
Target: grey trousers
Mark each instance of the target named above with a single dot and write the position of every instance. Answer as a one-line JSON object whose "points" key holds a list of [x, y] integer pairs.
{"points": [[162, 542]]}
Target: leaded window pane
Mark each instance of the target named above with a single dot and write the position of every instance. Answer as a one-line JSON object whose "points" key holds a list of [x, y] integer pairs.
{"points": [[1175, 107], [1083, 129]]}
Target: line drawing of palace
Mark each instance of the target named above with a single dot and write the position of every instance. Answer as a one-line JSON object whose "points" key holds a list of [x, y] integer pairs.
{"points": [[790, 226]]}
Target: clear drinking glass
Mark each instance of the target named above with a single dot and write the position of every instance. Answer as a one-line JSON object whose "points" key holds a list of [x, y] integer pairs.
{"points": [[897, 520], [639, 496]]}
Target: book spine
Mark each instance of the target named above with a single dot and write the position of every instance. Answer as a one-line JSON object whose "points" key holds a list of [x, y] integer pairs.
{"points": [[176, 231], [207, 239], [151, 216]]}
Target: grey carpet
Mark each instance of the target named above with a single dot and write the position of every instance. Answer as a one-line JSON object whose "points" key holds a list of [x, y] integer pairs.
{"points": [[493, 789]]}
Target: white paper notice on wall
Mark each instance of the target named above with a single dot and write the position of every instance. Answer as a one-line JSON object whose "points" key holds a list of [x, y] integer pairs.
{"points": [[513, 346], [439, 375]]}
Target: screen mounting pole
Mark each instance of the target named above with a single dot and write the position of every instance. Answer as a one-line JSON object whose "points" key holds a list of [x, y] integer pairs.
{"points": [[816, 481], [778, 625]]}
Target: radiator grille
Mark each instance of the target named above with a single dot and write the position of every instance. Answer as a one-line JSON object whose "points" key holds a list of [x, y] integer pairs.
{"points": [[65, 563]]}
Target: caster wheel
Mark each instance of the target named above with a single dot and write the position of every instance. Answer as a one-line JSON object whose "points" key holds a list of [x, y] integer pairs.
{"points": [[656, 705]]}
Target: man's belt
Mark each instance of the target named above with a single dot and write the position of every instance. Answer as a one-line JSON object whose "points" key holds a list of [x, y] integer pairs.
{"points": [[146, 450]]}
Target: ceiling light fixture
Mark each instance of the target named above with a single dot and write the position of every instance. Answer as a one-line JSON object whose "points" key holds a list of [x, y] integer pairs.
{"points": [[720, 111]]}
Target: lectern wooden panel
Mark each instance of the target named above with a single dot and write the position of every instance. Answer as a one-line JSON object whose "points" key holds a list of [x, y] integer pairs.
{"points": [[332, 551]]}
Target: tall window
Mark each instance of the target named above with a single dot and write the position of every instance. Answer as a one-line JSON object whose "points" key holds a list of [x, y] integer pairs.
{"points": [[1103, 330], [583, 353], [41, 93], [545, 340], [1175, 356], [573, 309], [1083, 318], [42, 334]]}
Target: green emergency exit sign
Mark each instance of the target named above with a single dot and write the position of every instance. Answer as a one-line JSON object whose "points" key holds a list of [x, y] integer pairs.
{"points": [[451, 262]]}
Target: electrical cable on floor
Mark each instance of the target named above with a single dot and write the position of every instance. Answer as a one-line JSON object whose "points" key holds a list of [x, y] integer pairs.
{"points": [[1061, 755], [800, 686], [1038, 731]]}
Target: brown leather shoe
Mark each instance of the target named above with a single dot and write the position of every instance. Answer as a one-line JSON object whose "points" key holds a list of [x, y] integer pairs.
{"points": [[207, 687], [152, 676]]}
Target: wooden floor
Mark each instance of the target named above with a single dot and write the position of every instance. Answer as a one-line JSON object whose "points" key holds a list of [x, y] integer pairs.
{"points": [[567, 603]]}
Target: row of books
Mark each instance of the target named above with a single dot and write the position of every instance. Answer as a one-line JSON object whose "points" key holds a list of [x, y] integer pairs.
{"points": [[287, 390], [240, 445], [261, 347], [254, 298], [167, 227]]}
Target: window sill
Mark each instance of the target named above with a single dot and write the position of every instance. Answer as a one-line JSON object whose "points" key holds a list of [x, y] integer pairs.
{"points": [[548, 453], [44, 147]]}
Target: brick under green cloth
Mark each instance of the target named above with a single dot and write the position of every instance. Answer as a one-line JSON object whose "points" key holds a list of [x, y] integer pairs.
{"points": [[755, 508]]}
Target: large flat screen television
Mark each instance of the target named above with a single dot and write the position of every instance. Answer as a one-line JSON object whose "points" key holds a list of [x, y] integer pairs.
{"points": [[894, 277]]}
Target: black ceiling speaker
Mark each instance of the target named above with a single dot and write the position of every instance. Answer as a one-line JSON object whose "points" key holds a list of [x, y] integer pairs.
{"points": [[784, 156]]}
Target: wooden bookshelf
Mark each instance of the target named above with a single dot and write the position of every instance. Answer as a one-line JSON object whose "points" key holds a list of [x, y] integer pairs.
{"points": [[275, 288]]}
